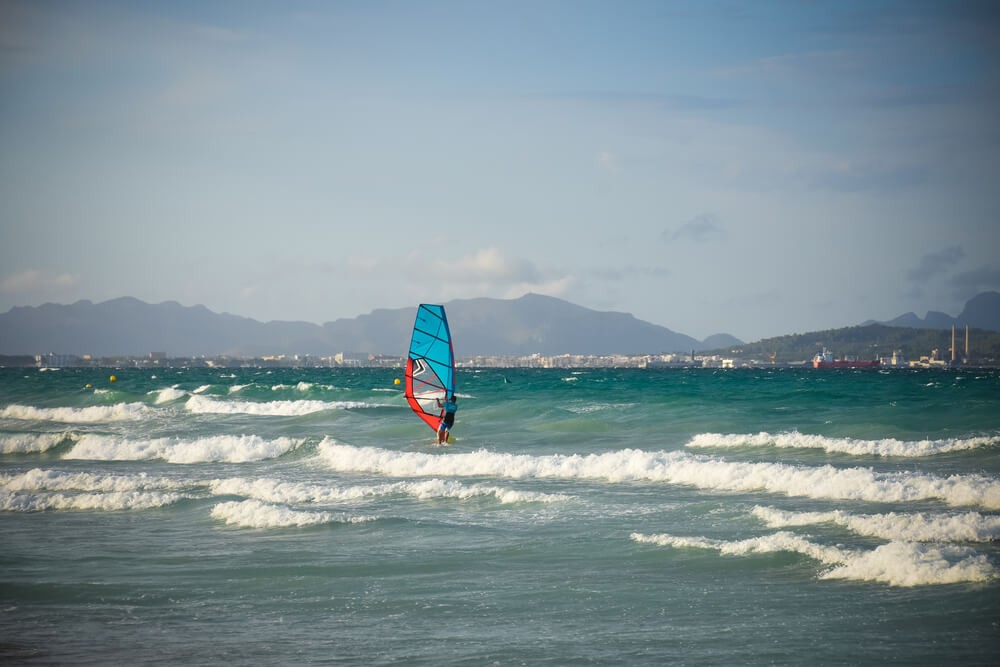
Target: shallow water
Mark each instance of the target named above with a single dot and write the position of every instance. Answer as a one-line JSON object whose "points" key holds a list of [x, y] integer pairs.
{"points": [[600, 516]]}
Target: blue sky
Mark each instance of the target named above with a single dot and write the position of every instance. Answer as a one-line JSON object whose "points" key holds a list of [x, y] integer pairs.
{"points": [[754, 168]]}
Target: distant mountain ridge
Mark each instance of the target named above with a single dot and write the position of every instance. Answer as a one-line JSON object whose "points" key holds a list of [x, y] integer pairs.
{"points": [[531, 324], [981, 312]]}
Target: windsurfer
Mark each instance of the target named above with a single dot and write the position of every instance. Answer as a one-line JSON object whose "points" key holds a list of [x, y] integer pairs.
{"points": [[450, 406]]}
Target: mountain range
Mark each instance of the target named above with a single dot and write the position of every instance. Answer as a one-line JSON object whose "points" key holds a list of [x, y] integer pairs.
{"points": [[515, 327], [981, 312]]}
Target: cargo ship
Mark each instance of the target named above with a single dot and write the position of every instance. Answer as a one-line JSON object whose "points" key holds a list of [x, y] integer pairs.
{"points": [[825, 360]]}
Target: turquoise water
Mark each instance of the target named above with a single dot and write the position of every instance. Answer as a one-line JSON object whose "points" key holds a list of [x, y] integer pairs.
{"points": [[250, 516]]}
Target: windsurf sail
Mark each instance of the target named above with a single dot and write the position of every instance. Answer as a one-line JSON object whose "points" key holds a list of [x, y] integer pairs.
{"points": [[430, 365]]}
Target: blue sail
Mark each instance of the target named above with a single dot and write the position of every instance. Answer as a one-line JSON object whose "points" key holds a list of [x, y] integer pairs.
{"points": [[430, 364]]}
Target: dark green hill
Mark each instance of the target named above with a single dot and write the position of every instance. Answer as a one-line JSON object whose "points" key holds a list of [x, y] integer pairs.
{"points": [[872, 341]]}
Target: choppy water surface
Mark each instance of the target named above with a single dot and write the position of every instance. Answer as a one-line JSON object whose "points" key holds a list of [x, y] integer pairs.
{"points": [[599, 516]]}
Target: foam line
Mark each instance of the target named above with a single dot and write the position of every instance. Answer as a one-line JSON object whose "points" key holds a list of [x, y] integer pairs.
{"points": [[108, 502], [255, 514], [38, 479], [95, 413], [919, 527], [210, 449], [888, 447], [209, 405], [276, 491], [40, 490], [895, 564], [826, 482], [24, 443]]}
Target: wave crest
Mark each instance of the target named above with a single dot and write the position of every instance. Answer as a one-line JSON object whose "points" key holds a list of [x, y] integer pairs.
{"points": [[888, 447], [92, 414], [895, 563], [210, 449], [823, 482]]}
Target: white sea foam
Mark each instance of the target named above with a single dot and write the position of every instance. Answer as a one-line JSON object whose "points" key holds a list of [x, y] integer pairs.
{"points": [[39, 490], [38, 479], [219, 448], [255, 514], [919, 527], [855, 447], [208, 405], [682, 468], [168, 395], [202, 389], [24, 443], [109, 502], [92, 414], [895, 564], [276, 491], [236, 388], [599, 407]]}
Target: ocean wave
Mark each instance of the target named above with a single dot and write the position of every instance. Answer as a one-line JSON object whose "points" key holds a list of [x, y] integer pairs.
{"points": [[855, 447], [40, 490], [38, 479], [24, 443], [207, 405], [167, 395], [272, 490], [301, 386], [918, 527], [92, 414], [895, 563], [826, 482], [255, 514], [107, 502], [208, 449]]}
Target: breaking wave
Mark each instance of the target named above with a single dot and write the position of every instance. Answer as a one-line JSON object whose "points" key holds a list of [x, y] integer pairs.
{"points": [[92, 414], [167, 395], [826, 482], [895, 563], [255, 514], [41, 490], [23, 443], [919, 527], [276, 491], [208, 449], [883, 447], [207, 405]]}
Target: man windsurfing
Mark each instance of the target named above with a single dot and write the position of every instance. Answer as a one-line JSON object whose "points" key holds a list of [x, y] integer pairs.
{"points": [[450, 407]]}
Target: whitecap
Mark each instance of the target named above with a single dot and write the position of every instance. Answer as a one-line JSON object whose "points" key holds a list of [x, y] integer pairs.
{"points": [[207, 405], [92, 414], [895, 564], [207, 449], [278, 491], [919, 526], [827, 482], [167, 395], [24, 443], [852, 446], [255, 514]]}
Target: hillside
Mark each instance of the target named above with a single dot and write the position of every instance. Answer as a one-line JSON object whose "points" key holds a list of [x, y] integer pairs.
{"points": [[871, 341], [524, 326]]}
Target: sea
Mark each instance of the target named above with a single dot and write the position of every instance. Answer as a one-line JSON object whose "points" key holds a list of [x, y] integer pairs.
{"points": [[254, 516]]}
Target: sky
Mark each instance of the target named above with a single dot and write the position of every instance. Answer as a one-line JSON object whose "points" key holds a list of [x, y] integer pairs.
{"points": [[751, 168]]}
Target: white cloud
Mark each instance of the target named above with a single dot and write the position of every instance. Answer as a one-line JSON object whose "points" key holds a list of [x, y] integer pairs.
{"points": [[33, 280]]}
